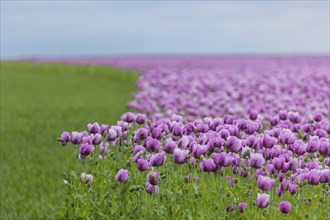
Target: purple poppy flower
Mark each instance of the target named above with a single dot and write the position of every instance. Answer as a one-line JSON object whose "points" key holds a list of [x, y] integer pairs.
{"points": [[241, 206], [198, 150], [142, 164], [263, 200], [157, 159], [294, 117], [278, 163], [234, 144], [76, 137], [283, 115], [141, 134], [138, 148], [256, 160], [96, 139], [207, 165], [279, 191], [177, 129], [153, 145], [230, 208], [324, 147], [122, 175], [104, 128], [197, 179], [287, 137], [265, 182], [324, 176], [313, 145], [153, 177], [253, 115], [94, 128], [299, 147], [224, 133], [293, 188], [86, 178], [128, 117], [318, 117], [285, 207], [274, 121], [169, 146], [180, 156], [313, 177], [252, 141], [65, 137], [104, 150], [140, 119], [157, 133], [184, 142], [112, 135], [86, 149], [152, 189], [268, 141]]}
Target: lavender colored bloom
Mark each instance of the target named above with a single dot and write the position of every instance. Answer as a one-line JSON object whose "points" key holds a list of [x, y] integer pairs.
{"points": [[86, 149], [65, 137], [197, 179], [294, 117], [112, 135], [138, 148], [293, 188], [76, 137], [198, 150], [180, 156], [241, 206], [153, 145], [157, 159], [153, 177], [86, 178], [279, 191], [224, 133], [94, 128], [318, 117], [278, 163], [183, 142], [230, 208], [122, 175], [128, 117], [140, 119], [177, 129], [207, 165], [104, 128], [324, 176], [313, 145], [299, 147], [253, 115], [142, 164], [169, 146], [287, 137], [313, 177], [157, 133], [263, 200], [324, 147], [152, 189], [256, 160], [283, 115], [141, 134], [96, 139], [265, 182], [268, 141], [285, 207], [177, 118], [234, 144]]}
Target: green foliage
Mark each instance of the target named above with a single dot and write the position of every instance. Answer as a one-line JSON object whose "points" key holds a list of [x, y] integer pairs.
{"points": [[38, 101]]}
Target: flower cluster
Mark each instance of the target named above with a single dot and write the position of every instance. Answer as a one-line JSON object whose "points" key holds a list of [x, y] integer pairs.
{"points": [[287, 151]]}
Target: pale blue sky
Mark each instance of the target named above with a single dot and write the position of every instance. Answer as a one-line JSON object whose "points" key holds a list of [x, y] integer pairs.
{"points": [[77, 28]]}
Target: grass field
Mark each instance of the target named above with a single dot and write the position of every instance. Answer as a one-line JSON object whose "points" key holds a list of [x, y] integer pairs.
{"points": [[38, 101]]}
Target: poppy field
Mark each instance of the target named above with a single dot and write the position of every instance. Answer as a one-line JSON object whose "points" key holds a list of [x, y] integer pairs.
{"points": [[209, 138]]}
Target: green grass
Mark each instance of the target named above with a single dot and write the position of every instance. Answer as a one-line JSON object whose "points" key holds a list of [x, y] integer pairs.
{"points": [[38, 101]]}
